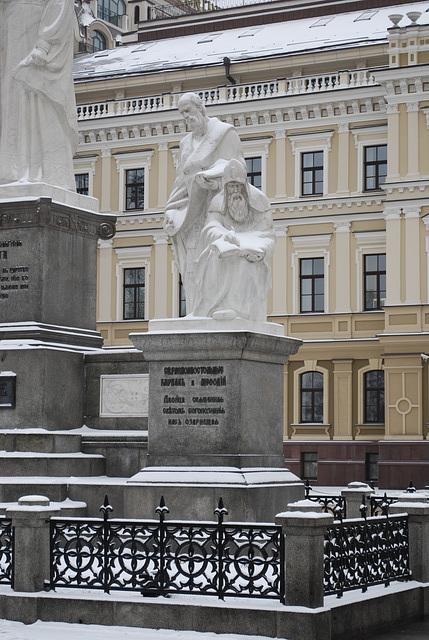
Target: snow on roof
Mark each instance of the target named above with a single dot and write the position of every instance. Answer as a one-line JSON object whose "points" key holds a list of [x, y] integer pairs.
{"points": [[278, 39]]}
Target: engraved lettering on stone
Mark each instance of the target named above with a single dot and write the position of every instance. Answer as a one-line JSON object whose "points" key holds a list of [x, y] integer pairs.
{"points": [[188, 408]]}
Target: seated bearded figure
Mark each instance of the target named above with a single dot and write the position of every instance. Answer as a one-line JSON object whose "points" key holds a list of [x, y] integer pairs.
{"points": [[232, 270]]}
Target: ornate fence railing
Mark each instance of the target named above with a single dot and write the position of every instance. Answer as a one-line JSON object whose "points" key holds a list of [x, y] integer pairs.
{"points": [[364, 552], [333, 504], [6, 551], [160, 557]]}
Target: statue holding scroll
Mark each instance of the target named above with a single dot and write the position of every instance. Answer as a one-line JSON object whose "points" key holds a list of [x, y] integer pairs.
{"points": [[38, 134]]}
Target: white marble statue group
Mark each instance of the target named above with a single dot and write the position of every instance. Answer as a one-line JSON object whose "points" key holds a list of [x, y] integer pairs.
{"points": [[221, 226]]}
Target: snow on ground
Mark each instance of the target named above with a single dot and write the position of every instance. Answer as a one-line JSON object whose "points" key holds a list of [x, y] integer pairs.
{"points": [[54, 630]]}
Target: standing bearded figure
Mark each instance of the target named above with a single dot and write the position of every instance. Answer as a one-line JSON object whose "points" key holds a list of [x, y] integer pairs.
{"points": [[38, 134], [204, 153]]}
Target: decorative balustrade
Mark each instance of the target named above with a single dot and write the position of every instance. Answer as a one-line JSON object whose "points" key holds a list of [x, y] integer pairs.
{"points": [[6, 551], [230, 94], [163, 557]]}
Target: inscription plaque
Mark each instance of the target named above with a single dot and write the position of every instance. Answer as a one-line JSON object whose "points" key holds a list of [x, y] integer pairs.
{"points": [[14, 276], [193, 395], [7, 390]]}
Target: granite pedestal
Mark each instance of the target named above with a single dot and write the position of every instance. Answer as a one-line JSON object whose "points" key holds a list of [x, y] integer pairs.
{"points": [[216, 420], [48, 271]]}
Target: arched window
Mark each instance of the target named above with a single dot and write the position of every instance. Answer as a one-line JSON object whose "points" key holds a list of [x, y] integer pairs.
{"points": [[111, 10], [311, 396], [136, 14], [374, 396], [98, 41]]}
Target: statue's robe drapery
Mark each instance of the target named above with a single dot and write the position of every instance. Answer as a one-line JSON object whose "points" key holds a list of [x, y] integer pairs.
{"points": [[38, 133], [189, 200], [225, 279]]}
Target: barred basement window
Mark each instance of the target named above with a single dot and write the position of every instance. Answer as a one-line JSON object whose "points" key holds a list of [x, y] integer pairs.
{"points": [[134, 294], [374, 396], [309, 466]]}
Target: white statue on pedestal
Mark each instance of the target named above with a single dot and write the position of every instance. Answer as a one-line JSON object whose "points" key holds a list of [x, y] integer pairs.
{"points": [[233, 272], [204, 153], [38, 133]]}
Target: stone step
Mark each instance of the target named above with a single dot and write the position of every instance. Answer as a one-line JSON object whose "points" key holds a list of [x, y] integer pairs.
{"points": [[39, 440], [21, 463], [12, 489]]}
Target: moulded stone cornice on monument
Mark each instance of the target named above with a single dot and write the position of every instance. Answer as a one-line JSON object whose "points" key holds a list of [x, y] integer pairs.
{"points": [[44, 213]]}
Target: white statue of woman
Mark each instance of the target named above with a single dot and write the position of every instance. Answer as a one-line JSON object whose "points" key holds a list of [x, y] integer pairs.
{"points": [[38, 134]]}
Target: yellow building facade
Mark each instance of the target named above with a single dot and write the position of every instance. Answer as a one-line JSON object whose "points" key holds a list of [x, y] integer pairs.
{"points": [[336, 133]]}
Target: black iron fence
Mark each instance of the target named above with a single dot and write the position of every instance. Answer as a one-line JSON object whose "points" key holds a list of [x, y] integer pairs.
{"points": [[160, 557], [6, 551], [364, 552], [333, 504]]}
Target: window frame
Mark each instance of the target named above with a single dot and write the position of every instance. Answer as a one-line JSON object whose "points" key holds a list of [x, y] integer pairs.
{"points": [[380, 405], [252, 174], [136, 288], [313, 391], [378, 273], [86, 164], [96, 33], [377, 164], [132, 257], [141, 159], [129, 185], [304, 463], [312, 141], [313, 278], [296, 425], [313, 169], [81, 175]]}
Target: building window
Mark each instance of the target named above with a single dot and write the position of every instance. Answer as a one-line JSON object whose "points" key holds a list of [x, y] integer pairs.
{"points": [[98, 41], [134, 189], [136, 15], [312, 396], [134, 293], [182, 299], [254, 171], [312, 173], [82, 183], [374, 396], [111, 10], [375, 166], [374, 281], [371, 467], [312, 281], [309, 467]]}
